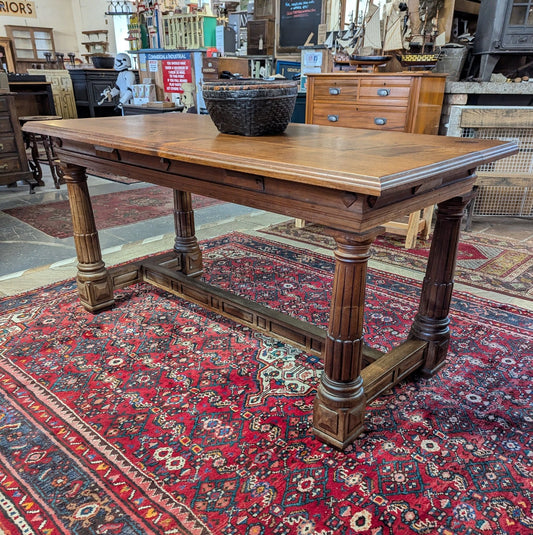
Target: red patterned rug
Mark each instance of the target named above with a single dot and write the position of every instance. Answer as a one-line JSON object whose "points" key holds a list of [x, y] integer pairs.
{"points": [[504, 266], [110, 210], [160, 417]]}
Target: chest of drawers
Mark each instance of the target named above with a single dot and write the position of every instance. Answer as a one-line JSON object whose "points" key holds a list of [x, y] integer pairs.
{"points": [[13, 161], [407, 102]]}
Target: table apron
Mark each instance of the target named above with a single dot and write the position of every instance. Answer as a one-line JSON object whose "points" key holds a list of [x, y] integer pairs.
{"points": [[341, 210]]}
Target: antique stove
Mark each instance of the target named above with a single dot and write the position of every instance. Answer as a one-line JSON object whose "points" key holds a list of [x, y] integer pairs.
{"points": [[504, 27]]}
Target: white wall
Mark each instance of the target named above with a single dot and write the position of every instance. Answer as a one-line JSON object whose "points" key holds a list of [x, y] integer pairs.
{"points": [[68, 18]]}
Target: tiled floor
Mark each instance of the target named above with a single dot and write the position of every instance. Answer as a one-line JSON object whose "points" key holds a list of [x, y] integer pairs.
{"points": [[30, 258]]}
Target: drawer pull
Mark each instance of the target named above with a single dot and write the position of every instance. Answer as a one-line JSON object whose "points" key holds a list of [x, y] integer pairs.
{"points": [[334, 90], [1, 147], [4, 167], [383, 92], [333, 118], [380, 121]]}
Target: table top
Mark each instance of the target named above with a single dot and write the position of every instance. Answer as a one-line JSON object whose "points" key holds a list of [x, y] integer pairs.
{"points": [[348, 159]]}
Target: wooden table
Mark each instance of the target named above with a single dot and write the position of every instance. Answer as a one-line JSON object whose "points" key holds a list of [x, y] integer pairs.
{"points": [[349, 180]]}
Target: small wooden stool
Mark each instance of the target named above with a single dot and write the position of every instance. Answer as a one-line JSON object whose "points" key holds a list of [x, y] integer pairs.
{"points": [[32, 140]]}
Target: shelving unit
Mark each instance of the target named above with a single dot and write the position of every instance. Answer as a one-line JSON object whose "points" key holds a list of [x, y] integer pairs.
{"points": [[97, 43]]}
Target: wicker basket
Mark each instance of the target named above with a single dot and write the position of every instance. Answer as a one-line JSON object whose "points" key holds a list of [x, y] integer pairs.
{"points": [[250, 107]]}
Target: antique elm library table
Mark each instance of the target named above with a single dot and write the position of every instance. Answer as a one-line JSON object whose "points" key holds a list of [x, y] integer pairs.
{"points": [[352, 181]]}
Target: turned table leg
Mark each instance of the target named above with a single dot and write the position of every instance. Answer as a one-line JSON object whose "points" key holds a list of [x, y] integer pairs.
{"points": [[94, 284], [340, 401], [432, 323], [186, 245]]}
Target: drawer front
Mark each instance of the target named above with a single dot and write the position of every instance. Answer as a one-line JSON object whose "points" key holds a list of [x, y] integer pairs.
{"points": [[5, 124], [7, 144], [352, 116], [385, 93], [4, 105], [336, 90], [9, 165]]}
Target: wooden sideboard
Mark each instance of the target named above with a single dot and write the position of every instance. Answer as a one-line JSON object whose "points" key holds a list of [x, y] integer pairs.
{"points": [[406, 102], [88, 85], [13, 161]]}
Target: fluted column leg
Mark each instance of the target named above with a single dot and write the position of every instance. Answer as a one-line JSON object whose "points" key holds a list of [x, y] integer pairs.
{"points": [[186, 245], [94, 284], [432, 323], [340, 402]]}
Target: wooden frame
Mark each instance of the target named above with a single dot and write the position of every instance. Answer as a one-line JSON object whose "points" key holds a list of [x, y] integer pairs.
{"points": [[6, 45], [500, 182]]}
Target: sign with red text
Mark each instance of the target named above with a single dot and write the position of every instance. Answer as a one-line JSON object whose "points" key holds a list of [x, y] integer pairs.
{"points": [[175, 73], [18, 9]]}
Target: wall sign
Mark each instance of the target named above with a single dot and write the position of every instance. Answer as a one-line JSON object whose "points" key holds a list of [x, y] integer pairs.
{"points": [[298, 18], [18, 9], [175, 73]]}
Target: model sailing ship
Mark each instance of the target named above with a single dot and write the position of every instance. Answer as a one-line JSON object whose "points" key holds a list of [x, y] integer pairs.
{"points": [[374, 41]]}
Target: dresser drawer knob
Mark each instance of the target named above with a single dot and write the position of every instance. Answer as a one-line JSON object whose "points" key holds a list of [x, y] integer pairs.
{"points": [[333, 118], [383, 92], [1, 147], [334, 90], [4, 167], [380, 121]]}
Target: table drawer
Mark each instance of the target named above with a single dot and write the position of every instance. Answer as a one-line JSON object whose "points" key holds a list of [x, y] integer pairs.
{"points": [[349, 115], [336, 90], [9, 164], [7, 144]]}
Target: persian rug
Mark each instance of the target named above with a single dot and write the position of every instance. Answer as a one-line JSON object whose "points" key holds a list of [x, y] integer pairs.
{"points": [[110, 210], [504, 266], [158, 416]]}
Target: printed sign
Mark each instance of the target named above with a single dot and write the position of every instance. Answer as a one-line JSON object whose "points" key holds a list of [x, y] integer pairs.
{"points": [[175, 73], [18, 9]]}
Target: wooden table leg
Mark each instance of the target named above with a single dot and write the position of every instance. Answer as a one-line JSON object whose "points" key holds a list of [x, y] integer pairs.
{"points": [[186, 245], [340, 402], [94, 284], [431, 324]]}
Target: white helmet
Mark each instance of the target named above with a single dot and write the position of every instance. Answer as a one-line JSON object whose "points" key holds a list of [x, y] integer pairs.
{"points": [[122, 62]]}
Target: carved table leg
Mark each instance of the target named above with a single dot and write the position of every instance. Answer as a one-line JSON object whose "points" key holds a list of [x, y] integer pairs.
{"points": [[186, 245], [432, 323], [340, 402], [94, 284]]}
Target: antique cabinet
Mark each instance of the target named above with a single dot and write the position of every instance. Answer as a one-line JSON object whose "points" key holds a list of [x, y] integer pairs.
{"points": [[13, 161], [405, 101], [88, 85], [62, 91], [30, 44], [33, 94]]}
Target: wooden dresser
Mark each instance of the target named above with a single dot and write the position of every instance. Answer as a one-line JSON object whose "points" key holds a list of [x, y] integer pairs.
{"points": [[406, 102], [13, 161]]}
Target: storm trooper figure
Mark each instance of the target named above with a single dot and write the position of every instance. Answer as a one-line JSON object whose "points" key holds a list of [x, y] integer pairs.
{"points": [[124, 82]]}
